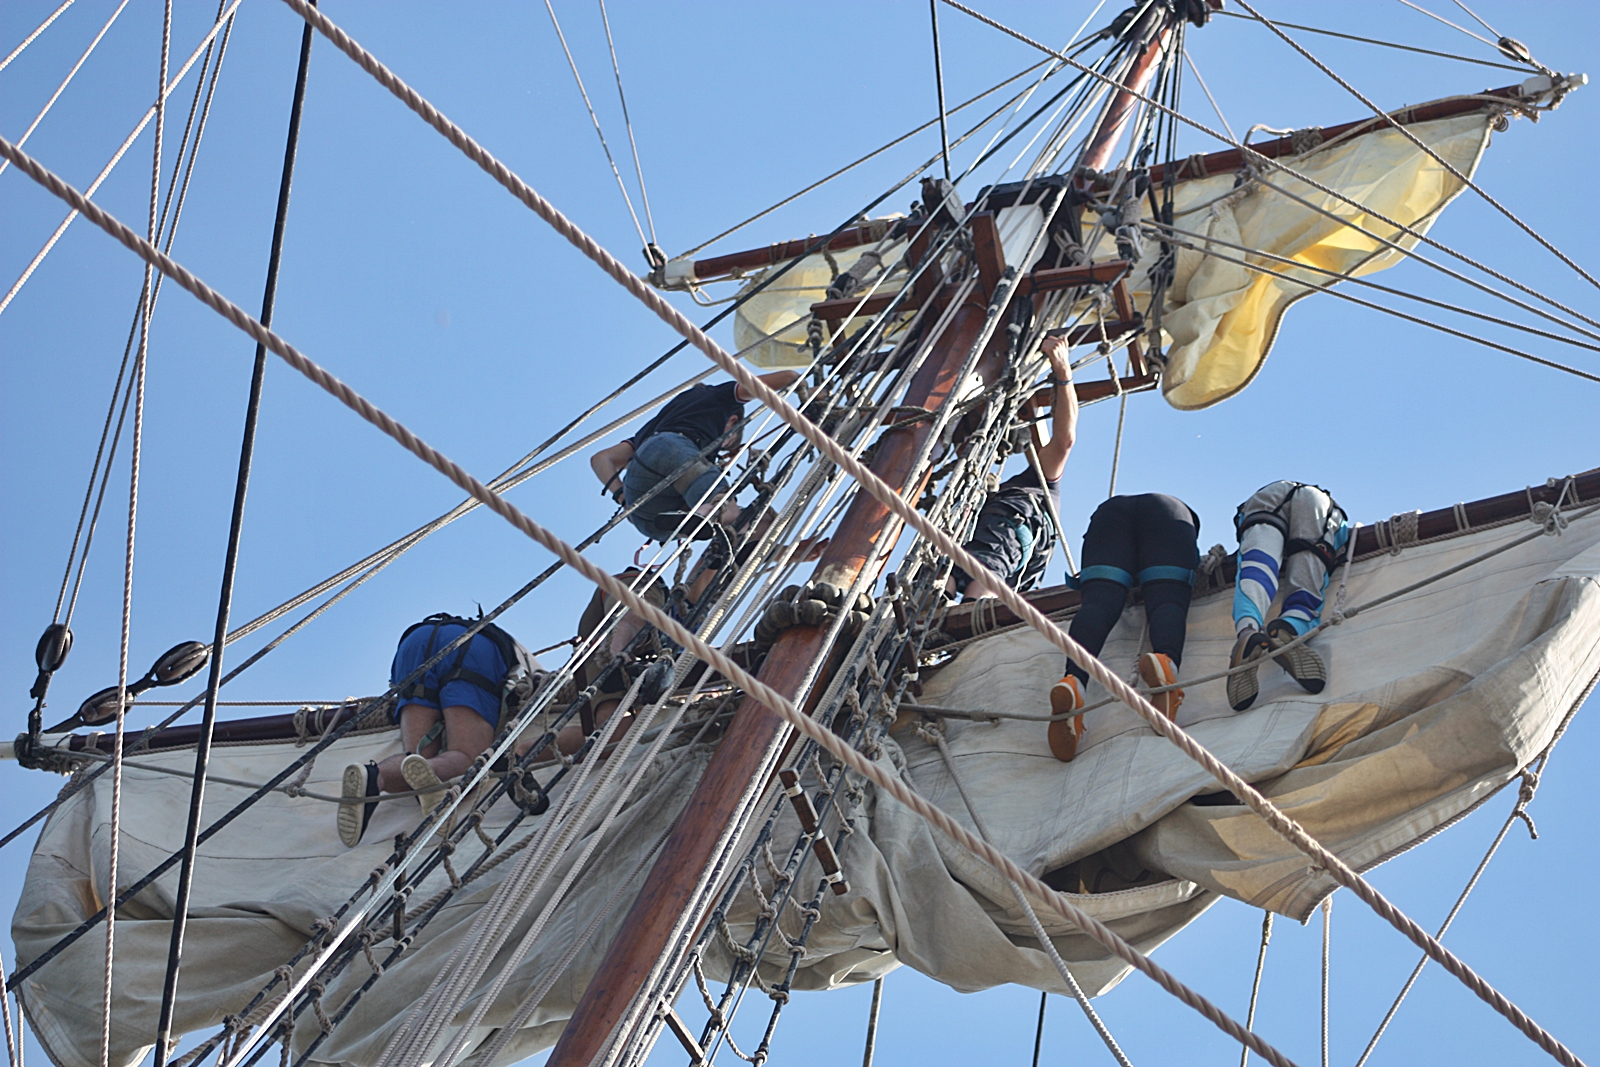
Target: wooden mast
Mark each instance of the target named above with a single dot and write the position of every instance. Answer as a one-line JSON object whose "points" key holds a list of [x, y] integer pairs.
{"points": [[865, 529]]}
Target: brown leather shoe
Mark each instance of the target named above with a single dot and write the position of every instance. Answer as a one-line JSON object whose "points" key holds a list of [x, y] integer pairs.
{"points": [[1066, 696], [1156, 669]]}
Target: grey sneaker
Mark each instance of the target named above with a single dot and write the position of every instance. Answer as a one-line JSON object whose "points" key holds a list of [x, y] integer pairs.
{"points": [[360, 781], [1243, 687], [1301, 661]]}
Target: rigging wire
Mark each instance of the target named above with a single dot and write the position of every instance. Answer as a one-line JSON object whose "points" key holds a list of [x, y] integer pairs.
{"points": [[872, 1026], [140, 364], [1275, 817], [1482, 23], [1255, 986], [1397, 313], [644, 194], [73, 73], [1189, 57], [1038, 1032], [1447, 22], [1327, 951], [105, 172], [1279, 165], [856, 163], [938, 78], [202, 757], [26, 41], [1417, 141], [573, 63], [1290, 261], [1384, 44]]}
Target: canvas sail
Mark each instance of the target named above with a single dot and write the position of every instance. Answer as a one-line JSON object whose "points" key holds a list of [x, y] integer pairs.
{"points": [[1434, 702]]}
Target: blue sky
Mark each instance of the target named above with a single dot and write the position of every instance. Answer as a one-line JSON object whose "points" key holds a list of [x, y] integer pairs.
{"points": [[416, 279]]}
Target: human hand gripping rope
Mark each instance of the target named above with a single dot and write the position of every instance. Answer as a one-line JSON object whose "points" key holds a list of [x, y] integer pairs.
{"points": [[1281, 823]]}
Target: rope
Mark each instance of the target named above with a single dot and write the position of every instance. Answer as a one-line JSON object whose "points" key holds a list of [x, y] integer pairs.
{"points": [[1384, 44], [139, 368], [1255, 986], [626, 199], [1439, 18], [5, 1011], [1291, 830], [1038, 1033], [638, 167], [105, 172], [202, 755], [1116, 452], [1408, 135], [1418, 320], [73, 73], [1274, 164], [872, 1026], [1039, 933], [870, 155], [1327, 950], [26, 41], [1347, 276]]}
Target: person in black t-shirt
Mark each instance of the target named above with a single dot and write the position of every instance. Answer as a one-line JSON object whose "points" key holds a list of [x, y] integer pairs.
{"points": [[1015, 534], [674, 445]]}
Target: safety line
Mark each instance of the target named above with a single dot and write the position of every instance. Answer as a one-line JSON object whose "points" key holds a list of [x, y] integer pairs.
{"points": [[73, 73], [1274, 817], [26, 41], [1384, 44], [1405, 132]]}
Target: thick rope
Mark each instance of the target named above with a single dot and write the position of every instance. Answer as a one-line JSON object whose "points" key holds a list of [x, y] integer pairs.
{"points": [[1276, 819], [891, 785]]}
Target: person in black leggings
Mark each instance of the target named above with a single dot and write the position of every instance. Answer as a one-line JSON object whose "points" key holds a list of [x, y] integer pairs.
{"points": [[1150, 540]]}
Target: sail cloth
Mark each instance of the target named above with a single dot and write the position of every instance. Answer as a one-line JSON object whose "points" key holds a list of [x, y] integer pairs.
{"points": [[1221, 318], [1434, 702]]}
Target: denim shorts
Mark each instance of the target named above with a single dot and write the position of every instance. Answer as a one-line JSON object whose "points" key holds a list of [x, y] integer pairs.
{"points": [[660, 457], [478, 655]]}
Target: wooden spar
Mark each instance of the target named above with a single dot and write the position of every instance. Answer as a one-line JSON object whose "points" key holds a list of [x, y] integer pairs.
{"points": [[1430, 524], [865, 531], [1158, 27], [865, 534], [1196, 166]]}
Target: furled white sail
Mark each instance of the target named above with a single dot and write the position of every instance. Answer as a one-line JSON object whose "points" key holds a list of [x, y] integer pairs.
{"points": [[1435, 701], [1220, 317]]}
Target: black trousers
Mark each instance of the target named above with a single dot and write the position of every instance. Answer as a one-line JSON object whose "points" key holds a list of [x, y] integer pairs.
{"points": [[1143, 540]]}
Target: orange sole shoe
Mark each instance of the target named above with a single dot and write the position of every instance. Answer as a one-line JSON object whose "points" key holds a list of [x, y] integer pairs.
{"points": [[1066, 696], [1156, 670]]}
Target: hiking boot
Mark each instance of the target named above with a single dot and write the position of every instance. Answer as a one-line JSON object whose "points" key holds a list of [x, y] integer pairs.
{"points": [[359, 781], [1066, 696], [1156, 670], [1244, 686], [1301, 661]]}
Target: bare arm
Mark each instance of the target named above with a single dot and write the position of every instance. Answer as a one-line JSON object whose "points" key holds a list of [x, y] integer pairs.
{"points": [[608, 464], [1064, 414], [778, 379]]}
